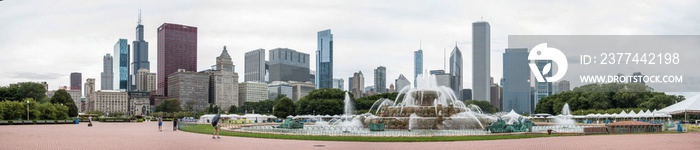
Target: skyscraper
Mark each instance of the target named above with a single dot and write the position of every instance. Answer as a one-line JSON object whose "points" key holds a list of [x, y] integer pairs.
{"points": [[255, 65], [563, 86], [188, 86], [481, 58], [544, 89], [516, 81], [224, 82], [339, 83], [288, 65], [358, 84], [76, 81], [177, 49], [456, 72], [417, 64], [401, 83], [380, 79], [324, 60], [140, 57], [107, 76], [121, 65], [145, 80]]}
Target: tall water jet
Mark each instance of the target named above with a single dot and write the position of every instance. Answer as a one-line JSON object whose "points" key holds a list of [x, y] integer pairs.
{"points": [[349, 105], [565, 118]]}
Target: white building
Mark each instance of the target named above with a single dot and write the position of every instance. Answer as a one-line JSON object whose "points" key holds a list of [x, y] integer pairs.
{"points": [[252, 92]]}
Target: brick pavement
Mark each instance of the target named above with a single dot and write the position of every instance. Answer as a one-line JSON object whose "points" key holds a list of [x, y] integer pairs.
{"points": [[146, 136]]}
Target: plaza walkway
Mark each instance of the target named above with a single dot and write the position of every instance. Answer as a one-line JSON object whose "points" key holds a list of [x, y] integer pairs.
{"points": [[146, 136]]}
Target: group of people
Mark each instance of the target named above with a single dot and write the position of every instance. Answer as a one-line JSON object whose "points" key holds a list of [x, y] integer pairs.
{"points": [[214, 123]]}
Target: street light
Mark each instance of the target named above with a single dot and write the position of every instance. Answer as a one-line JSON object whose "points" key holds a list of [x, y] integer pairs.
{"points": [[27, 110]]}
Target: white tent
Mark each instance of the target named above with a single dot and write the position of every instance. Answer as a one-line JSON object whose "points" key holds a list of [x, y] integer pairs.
{"points": [[689, 105]]}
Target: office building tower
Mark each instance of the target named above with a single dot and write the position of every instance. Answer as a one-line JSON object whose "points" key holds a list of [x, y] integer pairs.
{"points": [[563, 86], [543, 88], [121, 65], [279, 88], [380, 79], [255, 66], [224, 82], [339, 83], [76, 81], [456, 78], [417, 64], [140, 55], [301, 89], [401, 83], [516, 81], [145, 81], [466, 94], [177, 49], [107, 75], [481, 58], [324, 60], [252, 92], [350, 84], [442, 78], [189, 87], [288, 65], [358, 85]]}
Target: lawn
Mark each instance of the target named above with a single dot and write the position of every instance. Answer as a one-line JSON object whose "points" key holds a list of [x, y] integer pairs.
{"points": [[207, 129]]}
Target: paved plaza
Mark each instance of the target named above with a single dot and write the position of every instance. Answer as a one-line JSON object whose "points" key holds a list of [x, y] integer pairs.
{"points": [[146, 136]]}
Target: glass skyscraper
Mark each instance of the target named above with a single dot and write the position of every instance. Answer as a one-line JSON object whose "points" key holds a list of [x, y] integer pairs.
{"points": [[324, 60], [417, 64], [121, 65], [456, 72], [543, 89], [380, 79], [516, 81]]}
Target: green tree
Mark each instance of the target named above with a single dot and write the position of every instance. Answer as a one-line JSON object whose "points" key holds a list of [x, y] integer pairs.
{"points": [[14, 110], [485, 106], [23, 90], [62, 97], [365, 103], [285, 107], [169, 106], [322, 101]]}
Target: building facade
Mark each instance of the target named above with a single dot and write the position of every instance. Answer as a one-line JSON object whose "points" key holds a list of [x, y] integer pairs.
{"points": [[417, 64], [543, 89], [252, 92], [107, 76], [255, 66], [358, 85], [110, 101], [139, 103], [192, 87], [301, 89], [324, 60], [121, 65], [456, 71], [288, 65], [516, 81], [481, 60], [277, 88], [401, 83], [145, 80], [224, 82], [76, 81], [339, 83], [563, 86], [442, 78], [380, 79], [177, 49]]}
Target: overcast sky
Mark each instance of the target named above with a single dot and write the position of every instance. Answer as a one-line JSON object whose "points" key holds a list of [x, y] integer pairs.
{"points": [[47, 40]]}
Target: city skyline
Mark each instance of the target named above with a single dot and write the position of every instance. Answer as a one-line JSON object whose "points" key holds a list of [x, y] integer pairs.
{"points": [[364, 47]]}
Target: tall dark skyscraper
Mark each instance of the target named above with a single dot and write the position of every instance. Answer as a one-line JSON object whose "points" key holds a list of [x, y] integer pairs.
{"points": [[324, 60], [417, 64], [516, 81], [177, 49], [140, 54], [288, 65], [107, 74], [380, 79], [76, 80], [456, 72]]}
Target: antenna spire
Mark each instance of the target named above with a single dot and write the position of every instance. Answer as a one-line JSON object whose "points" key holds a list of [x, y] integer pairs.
{"points": [[444, 58], [420, 45], [139, 16]]}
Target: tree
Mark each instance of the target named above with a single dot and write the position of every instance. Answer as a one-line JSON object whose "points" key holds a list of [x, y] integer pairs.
{"points": [[485, 106], [365, 103], [169, 105], [285, 107], [23, 90], [62, 97], [189, 105], [322, 101]]}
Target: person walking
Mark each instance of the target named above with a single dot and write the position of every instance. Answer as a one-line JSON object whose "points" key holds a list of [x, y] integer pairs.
{"points": [[215, 123], [175, 124], [160, 123]]}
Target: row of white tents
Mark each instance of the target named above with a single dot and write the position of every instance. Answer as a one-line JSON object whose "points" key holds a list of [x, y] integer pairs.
{"points": [[207, 118], [631, 114]]}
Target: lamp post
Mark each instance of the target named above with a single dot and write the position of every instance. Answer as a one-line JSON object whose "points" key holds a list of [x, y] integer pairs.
{"points": [[27, 110]]}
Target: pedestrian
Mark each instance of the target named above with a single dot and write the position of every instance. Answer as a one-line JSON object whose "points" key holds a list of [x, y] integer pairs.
{"points": [[215, 123], [175, 124], [90, 121], [160, 123]]}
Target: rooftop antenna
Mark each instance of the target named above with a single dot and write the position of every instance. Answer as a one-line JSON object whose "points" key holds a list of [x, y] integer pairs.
{"points": [[139, 16], [444, 58], [420, 45]]}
